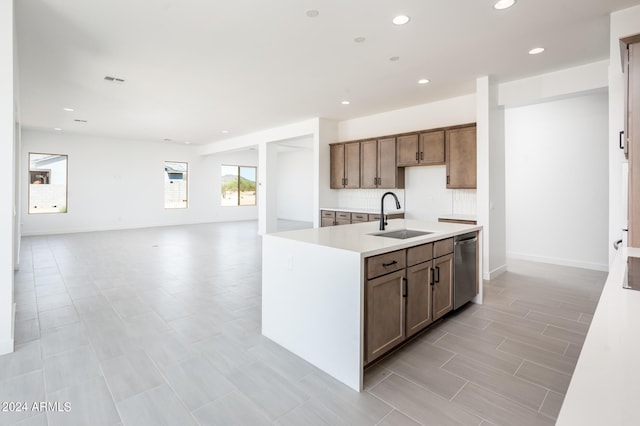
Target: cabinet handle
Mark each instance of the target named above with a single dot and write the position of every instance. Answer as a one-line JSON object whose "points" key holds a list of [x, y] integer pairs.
{"points": [[386, 265], [448, 180], [417, 156], [422, 155], [406, 287], [620, 139], [433, 280], [438, 271]]}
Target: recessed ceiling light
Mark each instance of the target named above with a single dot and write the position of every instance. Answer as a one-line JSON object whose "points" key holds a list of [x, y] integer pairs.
{"points": [[312, 13], [225, 131], [504, 4], [394, 58], [359, 39], [536, 50], [345, 102], [68, 109], [57, 129], [401, 19], [423, 81], [187, 143]]}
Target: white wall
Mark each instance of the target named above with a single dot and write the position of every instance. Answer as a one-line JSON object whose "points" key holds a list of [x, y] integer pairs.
{"points": [[295, 185], [426, 196], [623, 23], [7, 163], [119, 184], [557, 181]]}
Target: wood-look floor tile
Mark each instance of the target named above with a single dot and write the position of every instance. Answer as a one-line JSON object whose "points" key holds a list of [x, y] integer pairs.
{"points": [[421, 404], [312, 413], [571, 325], [232, 409], [573, 351], [483, 335], [552, 360], [396, 418], [413, 365], [271, 392], [564, 334], [525, 335], [507, 385], [550, 379], [157, 406], [559, 312], [91, 404], [498, 409], [482, 352], [552, 404]]}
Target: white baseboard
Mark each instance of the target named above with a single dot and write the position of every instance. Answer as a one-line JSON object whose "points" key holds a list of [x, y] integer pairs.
{"points": [[497, 272], [7, 345], [557, 261]]}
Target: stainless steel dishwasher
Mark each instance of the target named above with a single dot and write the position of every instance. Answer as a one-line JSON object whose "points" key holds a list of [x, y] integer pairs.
{"points": [[464, 268]]}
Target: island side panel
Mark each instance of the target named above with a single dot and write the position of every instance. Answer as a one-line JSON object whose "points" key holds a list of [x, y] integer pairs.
{"points": [[312, 305]]}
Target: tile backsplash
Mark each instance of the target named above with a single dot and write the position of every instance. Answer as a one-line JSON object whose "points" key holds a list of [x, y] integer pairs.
{"points": [[464, 201], [368, 199]]}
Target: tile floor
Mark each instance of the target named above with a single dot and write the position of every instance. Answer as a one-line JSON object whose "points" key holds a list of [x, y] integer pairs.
{"points": [[162, 326]]}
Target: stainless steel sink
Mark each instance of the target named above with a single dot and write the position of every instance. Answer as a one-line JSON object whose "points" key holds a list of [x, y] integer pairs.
{"points": [[401, 234]]}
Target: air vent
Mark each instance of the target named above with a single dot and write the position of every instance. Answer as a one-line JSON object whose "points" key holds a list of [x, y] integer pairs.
{"points": [[115, 80], [80, 121]]}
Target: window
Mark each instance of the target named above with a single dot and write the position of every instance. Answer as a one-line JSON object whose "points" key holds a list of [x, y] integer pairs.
{"points": [[175, 185], [238, 186], [47, 183]]}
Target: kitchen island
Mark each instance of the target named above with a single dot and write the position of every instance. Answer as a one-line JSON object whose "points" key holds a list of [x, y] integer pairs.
{"points": [[314, 281], [605, 384]]}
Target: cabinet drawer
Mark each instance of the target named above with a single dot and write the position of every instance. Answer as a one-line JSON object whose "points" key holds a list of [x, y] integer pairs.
{"points": [[373, 217], [442, 247], [359, 217], [385, 263], [419, 254], [328, 214], [343, 215]]}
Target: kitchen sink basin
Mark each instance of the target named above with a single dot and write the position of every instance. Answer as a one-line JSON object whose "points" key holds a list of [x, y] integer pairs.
{"points": [[401, 234]]}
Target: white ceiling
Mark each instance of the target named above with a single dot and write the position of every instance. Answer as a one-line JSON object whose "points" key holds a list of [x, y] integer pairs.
{"points": [[193, 68]]}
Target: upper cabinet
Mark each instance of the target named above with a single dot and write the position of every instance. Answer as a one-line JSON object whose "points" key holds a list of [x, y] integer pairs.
{"points": [[424, 149], [632, 135], [460, 153], [378, 166], [345, 165], [380, 163]]}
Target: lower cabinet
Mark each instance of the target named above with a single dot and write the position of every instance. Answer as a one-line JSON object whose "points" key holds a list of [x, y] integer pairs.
{"points": [[333, 217], [406, 291]]}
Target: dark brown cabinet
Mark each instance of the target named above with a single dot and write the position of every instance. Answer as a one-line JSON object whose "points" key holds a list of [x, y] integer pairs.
{"points": [[632, 135], [406, 291], [333, 218], [422, 149], [378, 167], [460, 154], [345, 165]]}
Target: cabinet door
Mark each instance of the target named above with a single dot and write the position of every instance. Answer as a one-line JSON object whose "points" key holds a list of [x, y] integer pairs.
{"points": [[461, 157], [418, 297], [387, 166], [337, 166], [408, 150], [327, 222], [633, 139], [432, 148], [443, 286], [385, 314], [368, 164], [352, 165]]}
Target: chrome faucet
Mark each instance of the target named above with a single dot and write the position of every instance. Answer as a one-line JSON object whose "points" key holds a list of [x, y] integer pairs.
{"points": [[382, 221]]}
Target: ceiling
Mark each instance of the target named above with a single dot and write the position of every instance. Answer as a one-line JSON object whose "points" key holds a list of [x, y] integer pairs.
{"points": [[195, 68]]}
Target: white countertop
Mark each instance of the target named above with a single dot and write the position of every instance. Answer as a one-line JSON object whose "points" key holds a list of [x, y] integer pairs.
{"points": [[605, 386], [368, 211], [356, 238]]}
